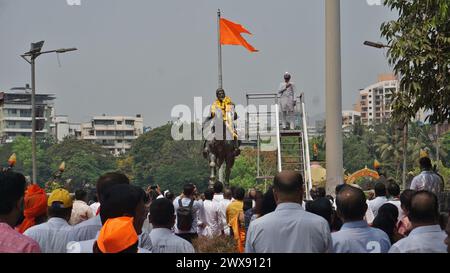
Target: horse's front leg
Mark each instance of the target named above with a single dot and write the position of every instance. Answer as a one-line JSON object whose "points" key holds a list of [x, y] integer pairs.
{"points": [[212, 167], [230, 163]]}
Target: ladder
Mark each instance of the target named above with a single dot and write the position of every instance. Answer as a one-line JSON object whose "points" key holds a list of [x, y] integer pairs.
{"points": [[293, 149]]}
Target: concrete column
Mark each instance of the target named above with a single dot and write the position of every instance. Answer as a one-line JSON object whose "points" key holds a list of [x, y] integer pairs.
{"points": [[334, 149]]}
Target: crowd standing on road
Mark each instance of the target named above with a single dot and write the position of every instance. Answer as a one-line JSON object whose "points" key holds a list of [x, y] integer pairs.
{"points": [[124, 218]]}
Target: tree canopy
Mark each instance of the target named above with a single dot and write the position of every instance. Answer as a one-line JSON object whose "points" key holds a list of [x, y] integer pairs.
{"points": [[419, 50]]}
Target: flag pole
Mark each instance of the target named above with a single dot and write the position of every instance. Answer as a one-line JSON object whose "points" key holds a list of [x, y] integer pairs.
{"points": [[219, 46]]}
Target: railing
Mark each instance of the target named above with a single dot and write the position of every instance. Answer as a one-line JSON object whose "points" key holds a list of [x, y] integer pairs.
{"points": [[277, 118]]}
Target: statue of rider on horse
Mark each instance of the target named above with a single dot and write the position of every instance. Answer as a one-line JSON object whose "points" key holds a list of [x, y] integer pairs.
{"points": [[222, 144]]}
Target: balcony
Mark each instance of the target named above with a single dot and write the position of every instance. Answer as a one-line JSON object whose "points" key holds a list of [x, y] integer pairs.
{"points": [[22, 130]]}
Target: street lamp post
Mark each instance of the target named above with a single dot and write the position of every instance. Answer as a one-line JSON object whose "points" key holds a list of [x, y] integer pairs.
{"points": [[405, 125], [30, 57]]}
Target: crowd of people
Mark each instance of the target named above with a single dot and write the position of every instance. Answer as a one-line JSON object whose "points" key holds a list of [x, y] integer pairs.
{"points": [[125, 218]]}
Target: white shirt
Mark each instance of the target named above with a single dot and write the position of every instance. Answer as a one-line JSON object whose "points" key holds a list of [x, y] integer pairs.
{"points": [[88, 245], [289, 229], [88, 229], [428, 181], [80, 212], [94, 207], [369, 217], [197, 208], [426, 239], [165, 241], [213, 219], [287, 97], [376, 203], [223, 204], [52, 236], [358, 237]]}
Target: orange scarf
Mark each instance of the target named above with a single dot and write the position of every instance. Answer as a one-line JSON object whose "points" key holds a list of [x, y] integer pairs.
{"points": [[35, 203]]}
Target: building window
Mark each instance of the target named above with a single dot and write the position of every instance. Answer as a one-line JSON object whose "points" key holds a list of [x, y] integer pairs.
{"points": [[119, 122], [119, 141], [363, 97], [129, 122], [103, 122], [370, 114]]}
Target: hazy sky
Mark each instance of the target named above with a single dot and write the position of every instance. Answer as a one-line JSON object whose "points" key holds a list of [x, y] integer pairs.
{"points": [[145, 56]]}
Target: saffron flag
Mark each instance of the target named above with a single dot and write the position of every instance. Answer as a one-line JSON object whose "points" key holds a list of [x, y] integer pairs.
{"points": [[230, 34]]}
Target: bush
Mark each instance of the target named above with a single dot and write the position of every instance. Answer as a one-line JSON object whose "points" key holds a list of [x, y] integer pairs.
{"points": [[222, 244]]}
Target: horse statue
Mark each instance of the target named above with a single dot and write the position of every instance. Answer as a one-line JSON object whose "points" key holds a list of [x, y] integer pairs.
{"points": [[221, 145]]}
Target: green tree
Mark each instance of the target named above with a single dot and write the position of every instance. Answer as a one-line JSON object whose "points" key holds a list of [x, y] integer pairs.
{"points": [[419, 50], [159, 159], [22, 147], [85, 161], [444, 143], [356, 155]]}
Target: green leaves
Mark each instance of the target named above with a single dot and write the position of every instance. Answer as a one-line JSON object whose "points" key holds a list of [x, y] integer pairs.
{"points": [[420, 53]]}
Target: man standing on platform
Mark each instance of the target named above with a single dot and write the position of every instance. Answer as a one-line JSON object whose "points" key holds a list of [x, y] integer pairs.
{"points": [[287, 101]]}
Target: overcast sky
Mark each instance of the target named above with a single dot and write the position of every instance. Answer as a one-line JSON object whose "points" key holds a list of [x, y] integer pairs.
{"points": [[145, 56]]}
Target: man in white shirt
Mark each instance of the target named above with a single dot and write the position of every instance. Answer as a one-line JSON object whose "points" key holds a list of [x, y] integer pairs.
{"points": [[427, 179], [213, 216], [426, 235], [186, 227], [287, 101], [80, 210], [380, 198], [162, 217], [289, 229], [54, 235], [120, 200], [223, 199], [355, 236]]}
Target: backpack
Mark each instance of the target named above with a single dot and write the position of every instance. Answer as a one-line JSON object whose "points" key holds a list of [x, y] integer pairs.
{"points": [[185, 216]]}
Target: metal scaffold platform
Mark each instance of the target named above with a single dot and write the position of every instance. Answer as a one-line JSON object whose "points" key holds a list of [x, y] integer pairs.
{"points": [[264, 133]]}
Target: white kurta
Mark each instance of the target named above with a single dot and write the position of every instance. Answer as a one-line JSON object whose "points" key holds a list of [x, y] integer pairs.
{"points": [[287, 98]]}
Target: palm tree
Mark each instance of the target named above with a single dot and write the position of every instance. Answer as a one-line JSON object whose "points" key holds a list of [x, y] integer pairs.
{"points": [[388, 148]]}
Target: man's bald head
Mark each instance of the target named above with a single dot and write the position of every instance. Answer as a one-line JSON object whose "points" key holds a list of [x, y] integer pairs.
{"points": [[351, 204], [288, 186], [424, 208]]}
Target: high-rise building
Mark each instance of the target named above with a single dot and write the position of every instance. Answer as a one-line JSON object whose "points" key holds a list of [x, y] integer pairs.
{"points": [[375, 100], [15, 113], [350, 118], [114, 133]]}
